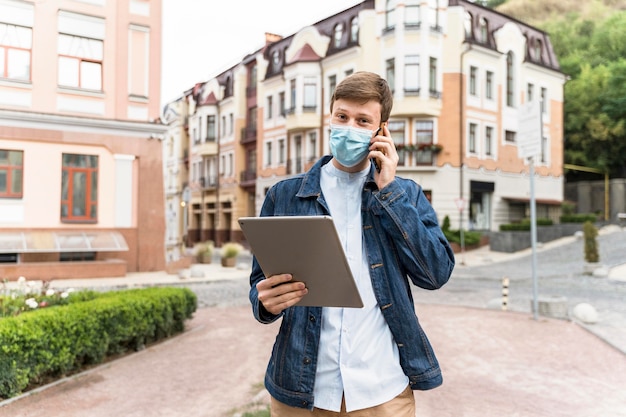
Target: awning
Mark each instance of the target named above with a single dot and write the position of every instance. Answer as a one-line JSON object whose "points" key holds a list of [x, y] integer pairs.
{"points": [[62, 241], [545, 201]]}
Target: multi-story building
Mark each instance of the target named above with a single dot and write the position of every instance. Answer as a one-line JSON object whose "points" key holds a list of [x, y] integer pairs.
{"points": [[80, 138], [461, 75]]}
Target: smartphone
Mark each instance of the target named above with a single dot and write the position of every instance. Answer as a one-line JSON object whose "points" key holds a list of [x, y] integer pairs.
{"points": [[374, 160]]}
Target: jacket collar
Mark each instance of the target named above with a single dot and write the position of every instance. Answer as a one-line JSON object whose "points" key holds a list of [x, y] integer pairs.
{"points": [[311, 179]]}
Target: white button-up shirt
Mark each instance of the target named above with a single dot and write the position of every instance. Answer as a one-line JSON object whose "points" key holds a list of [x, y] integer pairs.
{"points": [[357, 357]]}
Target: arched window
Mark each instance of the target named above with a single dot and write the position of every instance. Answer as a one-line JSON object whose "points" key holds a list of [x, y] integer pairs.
{"points": [[468, 26], [538, 50], [510, 80], [275, 59], [354, 30], [484, 30], [338, 34]]}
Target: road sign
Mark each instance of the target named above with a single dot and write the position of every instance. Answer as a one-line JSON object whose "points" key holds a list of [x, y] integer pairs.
{"points": [[460, 203], [530, 132]]}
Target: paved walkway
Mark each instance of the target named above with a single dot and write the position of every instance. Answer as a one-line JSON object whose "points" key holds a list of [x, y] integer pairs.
{"points": [[495, 363]]}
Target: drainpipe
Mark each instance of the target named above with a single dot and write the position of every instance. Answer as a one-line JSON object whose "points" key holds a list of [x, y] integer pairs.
{"points": [[321, 142], [461, 147]]}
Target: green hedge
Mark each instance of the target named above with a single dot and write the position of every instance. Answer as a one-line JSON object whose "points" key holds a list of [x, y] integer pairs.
{"points": [[469, 237], [524, 225], [52, 342], [578, 218]]}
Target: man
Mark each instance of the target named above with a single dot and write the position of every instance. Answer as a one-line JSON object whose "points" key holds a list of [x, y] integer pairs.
{"points": [[345, 361]]}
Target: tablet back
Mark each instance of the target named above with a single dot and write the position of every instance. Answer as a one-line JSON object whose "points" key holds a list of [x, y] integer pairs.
{"points": [[308, 247]]}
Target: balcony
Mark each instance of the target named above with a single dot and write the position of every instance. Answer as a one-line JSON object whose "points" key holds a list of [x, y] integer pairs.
{"points": [[248, 134], [208, 183], [247, 178]]}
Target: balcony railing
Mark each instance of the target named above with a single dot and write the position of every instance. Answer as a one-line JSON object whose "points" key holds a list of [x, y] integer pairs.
{"points": [[247, 176], [248, 134]]}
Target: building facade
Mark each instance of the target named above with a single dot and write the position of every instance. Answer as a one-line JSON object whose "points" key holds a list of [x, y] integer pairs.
{"points": [[80, 138], [461, 75]]}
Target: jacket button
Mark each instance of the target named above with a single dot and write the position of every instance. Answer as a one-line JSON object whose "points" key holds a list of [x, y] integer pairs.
{"points": [[307, 361], [312, 319]]}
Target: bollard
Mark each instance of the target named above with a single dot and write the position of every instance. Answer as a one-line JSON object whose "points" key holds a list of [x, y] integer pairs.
{"points": [[505, 293]]}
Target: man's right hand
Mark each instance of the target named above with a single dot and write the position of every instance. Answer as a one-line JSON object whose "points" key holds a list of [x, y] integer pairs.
{"points": [[279, 292]]}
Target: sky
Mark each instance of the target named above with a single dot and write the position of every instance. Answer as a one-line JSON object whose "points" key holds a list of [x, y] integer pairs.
{"points": [[202, 38]]}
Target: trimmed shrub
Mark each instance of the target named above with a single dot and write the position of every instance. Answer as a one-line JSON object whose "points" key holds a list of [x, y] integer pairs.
{"points": [[51, 342]]}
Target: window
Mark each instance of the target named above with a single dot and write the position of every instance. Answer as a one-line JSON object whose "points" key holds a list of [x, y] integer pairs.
{"points": [[11, 173], [468, 26], [281, 103], [424, 136], [80, 48], [282, 152], [390, 71], [337, 35], [312, 146], [484, 30], [510, 81], [433, 18], [544, 149], [253, 76], [210, 128], [268, 154], [15, 52], [488, 140], [489, 85], [138, 60], [509, 136], [432, 78], [348, 72], [332, 84], [310, 93], [276, 60], [530, 89], [292, 94], [471, 146], [412, 74], [79, 188], [544, 98], [269, 107], [396, 129], [80, 62], [390, 15], [537, 52], [472, 81], [412, 13], [231, 120], [354, 30]]}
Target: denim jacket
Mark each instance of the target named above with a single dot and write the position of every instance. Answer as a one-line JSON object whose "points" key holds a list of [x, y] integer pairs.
{"points": [[403, 241]]}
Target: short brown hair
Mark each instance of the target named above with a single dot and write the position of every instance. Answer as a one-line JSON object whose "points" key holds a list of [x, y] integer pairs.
{"points": [[365, 86]]}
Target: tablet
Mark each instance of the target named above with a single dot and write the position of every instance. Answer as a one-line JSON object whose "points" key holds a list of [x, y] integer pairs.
{"points": [[308, 247]]}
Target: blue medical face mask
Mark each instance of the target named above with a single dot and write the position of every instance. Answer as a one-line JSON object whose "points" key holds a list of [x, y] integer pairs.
{"points": [[349, 145]]}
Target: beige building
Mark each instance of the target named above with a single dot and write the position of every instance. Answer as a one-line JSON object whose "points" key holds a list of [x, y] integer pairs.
{"points": [[80, 138], [462, 76]]}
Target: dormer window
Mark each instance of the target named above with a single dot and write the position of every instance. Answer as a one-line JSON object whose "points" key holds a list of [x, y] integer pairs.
{"points": [[338, 34], [354, 30], [537, 50], [275, 59], [484, 30]]}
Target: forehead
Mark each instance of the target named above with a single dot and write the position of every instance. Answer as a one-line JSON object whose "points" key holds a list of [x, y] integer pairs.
{"points": [[370, 109]]}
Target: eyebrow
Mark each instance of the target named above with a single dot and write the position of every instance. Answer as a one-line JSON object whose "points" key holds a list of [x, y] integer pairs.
{"points": [[364, 115]]}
